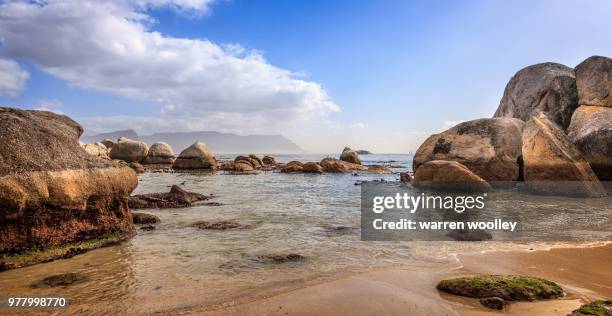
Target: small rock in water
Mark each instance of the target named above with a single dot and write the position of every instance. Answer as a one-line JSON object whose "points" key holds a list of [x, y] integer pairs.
{"points": [[220, 225], [144, 218], [65, 279], [469, 235], [596, 308], [148, 228], [493, 302]]}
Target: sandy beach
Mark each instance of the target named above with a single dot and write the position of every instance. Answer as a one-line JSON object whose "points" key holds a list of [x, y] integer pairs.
{"points": [[584, 274]]}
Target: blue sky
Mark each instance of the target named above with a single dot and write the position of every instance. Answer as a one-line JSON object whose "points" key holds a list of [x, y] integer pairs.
{"points": [[380, 75]]}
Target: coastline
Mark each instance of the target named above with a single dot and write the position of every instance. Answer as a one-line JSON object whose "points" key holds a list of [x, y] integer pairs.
{"points": [[583, 273]]}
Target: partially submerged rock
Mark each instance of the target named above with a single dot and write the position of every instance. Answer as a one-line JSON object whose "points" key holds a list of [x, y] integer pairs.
{"points": [[62, 280], [176, 198], [553, 165], [160, 153], [292, 167], [594, 81], [144, 218], [268, 160], [549, 88], [591, 132], [507, 287], [350, 155], [196, 156], [596, 308], [491, 148], [339, 166], [242, 166], [52, 192], [256, 261], [129, 150], [448, 176], [255, 163], [312, 167]]}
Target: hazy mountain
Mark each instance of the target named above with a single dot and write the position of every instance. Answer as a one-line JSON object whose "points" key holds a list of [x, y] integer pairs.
{"points": [[218, 142], [129, 133]]}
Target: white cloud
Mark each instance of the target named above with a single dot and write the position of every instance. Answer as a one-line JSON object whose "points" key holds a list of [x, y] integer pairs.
{"points": [[109, 46], [359, 125], [50, 105], [12, 78]]}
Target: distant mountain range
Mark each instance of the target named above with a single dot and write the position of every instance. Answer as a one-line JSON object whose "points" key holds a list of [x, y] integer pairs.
{"points": [[218, 142]]}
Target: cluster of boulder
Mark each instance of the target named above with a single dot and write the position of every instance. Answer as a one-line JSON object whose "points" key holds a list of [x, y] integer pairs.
{"points": [[53, 193], [349, 161], [552, 130]]}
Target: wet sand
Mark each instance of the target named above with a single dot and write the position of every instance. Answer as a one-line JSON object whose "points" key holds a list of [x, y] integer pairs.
{"points": [[584, 273]]}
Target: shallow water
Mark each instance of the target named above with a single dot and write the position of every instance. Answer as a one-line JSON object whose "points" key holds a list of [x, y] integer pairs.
{"points": [[176, 266]]}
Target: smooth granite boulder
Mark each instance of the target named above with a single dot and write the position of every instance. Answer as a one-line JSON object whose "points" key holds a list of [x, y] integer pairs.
{"points": [[553, 165], [491, 148], [160, 153], [594, 81], [548, 87], [129, 150], [591, 132], [196, 156]]}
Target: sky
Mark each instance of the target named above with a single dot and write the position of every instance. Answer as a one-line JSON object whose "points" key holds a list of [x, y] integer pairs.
{"points": [[380, 75]]}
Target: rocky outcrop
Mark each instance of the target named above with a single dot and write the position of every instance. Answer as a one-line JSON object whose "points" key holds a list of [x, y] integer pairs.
{"points": [[176, 198], [548, 87], [97, 149], [448, 176], [254, 162], [196, 156], [591, 132], [594, 81], [242, 166], [491, 148], [160, 153], [312, 167], [52, 192], [350, 155], [553, 165], [129, 150]]}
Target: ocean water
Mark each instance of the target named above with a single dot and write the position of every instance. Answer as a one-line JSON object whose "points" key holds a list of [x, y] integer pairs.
{"points": [[177, 267]]}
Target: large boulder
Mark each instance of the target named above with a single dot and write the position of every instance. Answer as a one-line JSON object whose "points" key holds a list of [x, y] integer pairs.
{"points": [[53, 193], [553, 165], [594, 81], [350, 155], [242, 166], [129, 150], [339, 166], [97, 149], [546, 87], [448, 176], [491, 148], [196, 156], [591, 132], [160, 153], [312, 167]]}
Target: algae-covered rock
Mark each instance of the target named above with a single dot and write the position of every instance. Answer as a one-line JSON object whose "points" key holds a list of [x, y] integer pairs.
{"points": [[507, 287], [596, 308]]}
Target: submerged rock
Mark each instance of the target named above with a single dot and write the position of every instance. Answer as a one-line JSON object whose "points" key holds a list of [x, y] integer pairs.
{"points": [[549, 88], [220, 225], [491, 148], [196, 156], [594, 81], [506, 287], [350, 155], [596, 308], [553, 165], [176, 198], [129, 150], [256, 261], [52, 192], [57, 280], [448, 176], [144, 218], [469, 235], [281, 258], [160, 153], [591, 132]]}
